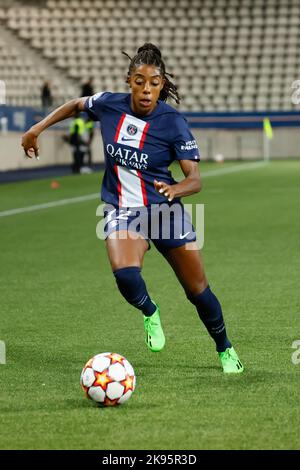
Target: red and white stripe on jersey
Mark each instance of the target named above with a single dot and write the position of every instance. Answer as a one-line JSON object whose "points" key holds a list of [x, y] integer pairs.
{"points": [[131, 187], [136, 137]]}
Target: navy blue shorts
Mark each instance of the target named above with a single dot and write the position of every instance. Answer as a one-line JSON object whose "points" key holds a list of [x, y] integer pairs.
{"points": [[167, 224]]}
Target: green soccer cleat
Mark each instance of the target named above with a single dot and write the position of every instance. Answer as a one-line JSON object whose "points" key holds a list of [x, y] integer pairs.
{"points": [[230, 361], [155, 338]]}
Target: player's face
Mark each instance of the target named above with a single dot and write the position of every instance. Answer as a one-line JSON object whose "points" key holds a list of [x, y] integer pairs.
{"points": [[146, 84]]}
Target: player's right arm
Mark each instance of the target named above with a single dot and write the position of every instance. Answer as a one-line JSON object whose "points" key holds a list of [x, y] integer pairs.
{"points": [[67, 110]]}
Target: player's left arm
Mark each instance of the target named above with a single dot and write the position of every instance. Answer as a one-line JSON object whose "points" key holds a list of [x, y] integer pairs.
{"points": [[191, 184]]}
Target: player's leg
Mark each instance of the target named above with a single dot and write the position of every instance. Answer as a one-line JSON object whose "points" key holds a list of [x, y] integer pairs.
{"points": [[126, 255], [189, 269], [76, 160], [89, 154], [125, 250]]}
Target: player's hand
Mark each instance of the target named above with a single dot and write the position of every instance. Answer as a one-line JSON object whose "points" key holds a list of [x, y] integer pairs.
{"points": [[30, 144], [165, 189]]}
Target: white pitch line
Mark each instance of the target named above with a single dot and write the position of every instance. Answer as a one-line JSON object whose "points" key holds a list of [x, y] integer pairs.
{"points": [[234, 169], [60, 202], [89, 197]]}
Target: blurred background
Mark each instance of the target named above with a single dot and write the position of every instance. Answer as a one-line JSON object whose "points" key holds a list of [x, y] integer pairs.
{"points": [[235, 62]]}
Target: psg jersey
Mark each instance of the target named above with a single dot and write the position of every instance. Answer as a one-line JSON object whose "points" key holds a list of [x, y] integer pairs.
{"points": [[138, 149]]}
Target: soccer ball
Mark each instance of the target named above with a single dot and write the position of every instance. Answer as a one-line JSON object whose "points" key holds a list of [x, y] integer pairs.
{"points": [[108, 379]]}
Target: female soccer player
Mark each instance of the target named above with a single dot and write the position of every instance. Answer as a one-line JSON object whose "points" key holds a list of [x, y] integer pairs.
{"points": [[142, 136]]}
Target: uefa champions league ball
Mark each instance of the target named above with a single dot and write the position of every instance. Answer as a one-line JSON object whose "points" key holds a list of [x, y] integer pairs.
{"points": [[108, 379]]}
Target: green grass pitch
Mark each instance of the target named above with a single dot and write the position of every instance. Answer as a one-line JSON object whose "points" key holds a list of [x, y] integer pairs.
{"points": [[60, 306]]}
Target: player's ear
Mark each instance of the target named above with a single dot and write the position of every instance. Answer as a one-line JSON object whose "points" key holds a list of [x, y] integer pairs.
{"points": [[162, 83], [128, 81]]}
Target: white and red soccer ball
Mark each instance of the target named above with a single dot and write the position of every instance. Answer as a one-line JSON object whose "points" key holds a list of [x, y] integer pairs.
{"points": [[108, 379]]}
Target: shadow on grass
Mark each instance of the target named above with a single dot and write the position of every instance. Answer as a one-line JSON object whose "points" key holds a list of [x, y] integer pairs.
{"points": [[130, 405], [74, 404]]}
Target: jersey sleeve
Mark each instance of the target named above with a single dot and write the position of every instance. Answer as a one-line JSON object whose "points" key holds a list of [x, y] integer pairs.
{"points": [[94, 105], [184, 144]]}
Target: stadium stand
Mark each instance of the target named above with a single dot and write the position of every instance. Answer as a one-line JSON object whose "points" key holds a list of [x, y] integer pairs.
{"points": [[226, 55]]}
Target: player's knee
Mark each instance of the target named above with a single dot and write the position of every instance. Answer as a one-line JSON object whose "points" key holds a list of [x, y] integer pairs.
{"points": [[206, 303], [196, 289]]}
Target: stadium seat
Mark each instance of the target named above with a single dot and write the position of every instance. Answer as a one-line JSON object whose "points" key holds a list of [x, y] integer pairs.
{"points": [[229, 46]]}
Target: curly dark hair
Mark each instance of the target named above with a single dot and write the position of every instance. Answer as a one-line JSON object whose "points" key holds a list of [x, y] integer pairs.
{"points": [[149, 54]]}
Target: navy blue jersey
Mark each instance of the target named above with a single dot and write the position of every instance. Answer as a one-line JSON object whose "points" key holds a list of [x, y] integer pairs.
{"points": [[139, 149]]}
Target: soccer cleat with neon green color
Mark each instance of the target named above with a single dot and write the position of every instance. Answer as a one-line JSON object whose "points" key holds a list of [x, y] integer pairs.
{"points": [[230, 361], [155, 338]]}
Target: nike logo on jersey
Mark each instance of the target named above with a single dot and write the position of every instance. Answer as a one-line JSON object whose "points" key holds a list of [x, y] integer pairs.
{"points": [[125, 139], [183, 236]]}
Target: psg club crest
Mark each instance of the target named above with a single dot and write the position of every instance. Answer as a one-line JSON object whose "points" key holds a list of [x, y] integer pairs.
{"points": [[131, 129]]}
